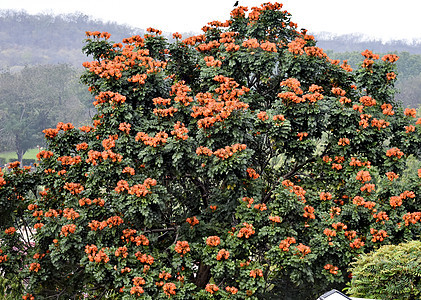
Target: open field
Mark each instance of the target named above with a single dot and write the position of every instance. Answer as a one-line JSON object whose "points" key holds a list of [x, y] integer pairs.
{"points": [[12, 156]]}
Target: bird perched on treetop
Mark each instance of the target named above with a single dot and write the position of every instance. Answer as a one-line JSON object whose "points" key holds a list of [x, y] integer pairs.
{"points": [[236, 4]]}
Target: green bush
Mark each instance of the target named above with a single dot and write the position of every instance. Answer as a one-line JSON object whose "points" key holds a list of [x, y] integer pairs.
{"points": [[391, 272]]}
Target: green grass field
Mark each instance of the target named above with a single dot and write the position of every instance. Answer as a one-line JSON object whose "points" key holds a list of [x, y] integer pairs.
{"points": [[11, 156]]}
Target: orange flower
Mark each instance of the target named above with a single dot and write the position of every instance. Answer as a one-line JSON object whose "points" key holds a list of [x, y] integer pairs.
{"points": [[81, 146], [357, 243], [302, 135], [367, 101], [288, 97], [246, 231], [10, 230], [325, 196], [138, 290], [231, 289], [222, 254], [379, 123], [275, 219], [211, 288], [338, 91], [387, 109], [336, 166], [367, 63], [44, 154], [228, 151], [143, 258], [34, 267], [27, 296], [410, 112], [239, 12], [101, 256], [204, 151], [262, 116], [394, 152], [369, 54], [345, 66], [390, 58], [390, 76], [332, 269], [268, 46], [309, 212], [296, 46], [192, 221], [176, 35], [378, 235], [410, 128], [125, 127], [368, 187], [334, 211], [182, 247], [256, 273], [392, 175], [252, 173], [66, 229], [339, 226], [293, 84], [129, 170], [315, 51], [412, 218], [303, 249], [121, 251], [251, 43], [286, 243], [70, 214], [180, 131], [343, 142], [213, 241], [74, 188], [363, 176], [260, 206]]}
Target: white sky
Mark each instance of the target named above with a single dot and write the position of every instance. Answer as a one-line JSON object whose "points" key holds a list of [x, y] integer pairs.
{"points": [[381, 19]]}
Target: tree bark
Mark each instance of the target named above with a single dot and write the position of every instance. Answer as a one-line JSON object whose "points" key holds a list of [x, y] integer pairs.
{"points": [[203, 275]]}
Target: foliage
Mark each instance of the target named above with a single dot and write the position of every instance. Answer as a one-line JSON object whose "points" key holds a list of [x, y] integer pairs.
{"points": [[241, 163], [390, 272]]}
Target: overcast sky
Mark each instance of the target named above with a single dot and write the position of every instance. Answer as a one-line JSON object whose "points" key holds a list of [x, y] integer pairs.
{"points": [[381, 19]]}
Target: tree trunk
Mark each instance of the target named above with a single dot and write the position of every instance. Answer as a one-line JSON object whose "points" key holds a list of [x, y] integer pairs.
{"points": [[20, 153], [203, 275]]}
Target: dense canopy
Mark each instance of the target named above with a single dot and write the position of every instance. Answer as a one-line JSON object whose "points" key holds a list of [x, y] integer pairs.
{"points": [[241, 163]]}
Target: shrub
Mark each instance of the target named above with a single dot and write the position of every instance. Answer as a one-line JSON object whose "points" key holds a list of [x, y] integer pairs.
{"points": [[390, 272]]}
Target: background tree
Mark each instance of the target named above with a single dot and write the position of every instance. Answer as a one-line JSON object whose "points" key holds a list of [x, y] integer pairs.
{"points": [[35, 98], [241, 163]]}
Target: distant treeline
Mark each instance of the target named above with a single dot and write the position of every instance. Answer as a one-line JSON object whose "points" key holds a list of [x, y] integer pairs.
{"points": [[48, 39], [356, 42]]}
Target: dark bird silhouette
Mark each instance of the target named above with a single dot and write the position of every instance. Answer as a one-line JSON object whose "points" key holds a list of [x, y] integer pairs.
{"points": [[236, 4]]}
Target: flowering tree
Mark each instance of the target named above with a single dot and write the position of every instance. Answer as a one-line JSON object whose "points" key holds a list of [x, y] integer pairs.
{"points": [[241, 163]]}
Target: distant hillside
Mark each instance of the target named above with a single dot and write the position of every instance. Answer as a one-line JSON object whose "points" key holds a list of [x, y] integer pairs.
{"points": [[359, 42], [45, 38], [50, 39]]}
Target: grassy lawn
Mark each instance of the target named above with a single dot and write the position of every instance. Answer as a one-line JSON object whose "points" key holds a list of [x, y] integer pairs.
{"points": [[11, 156]]}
